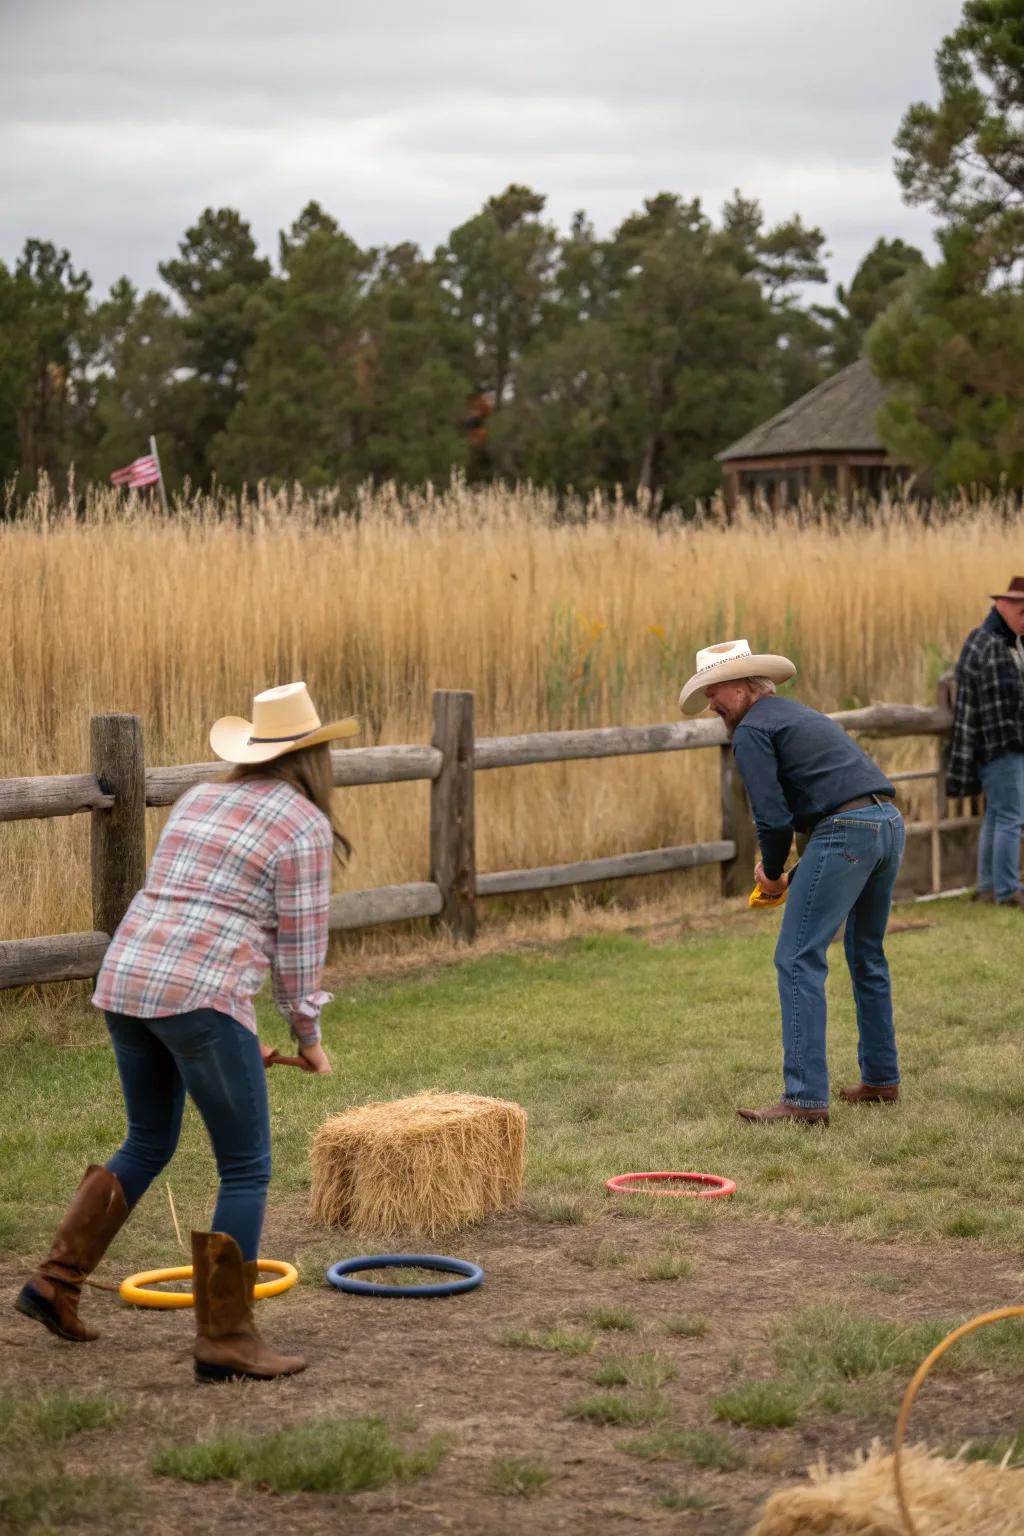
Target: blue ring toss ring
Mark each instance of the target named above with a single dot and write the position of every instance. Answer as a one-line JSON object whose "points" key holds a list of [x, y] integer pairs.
{"points": [[338, 1275]]}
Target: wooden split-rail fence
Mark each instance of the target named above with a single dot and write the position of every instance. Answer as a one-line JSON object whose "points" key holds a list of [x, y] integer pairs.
{"points": [[119, 787]]}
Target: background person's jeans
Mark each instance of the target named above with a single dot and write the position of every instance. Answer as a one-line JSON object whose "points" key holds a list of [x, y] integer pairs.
{"points": [[218, 1062], [848, 870], [999, 844]]}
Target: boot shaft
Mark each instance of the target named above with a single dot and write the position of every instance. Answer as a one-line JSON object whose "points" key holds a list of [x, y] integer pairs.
{"points": [[97, 1213], [222, 1285]]}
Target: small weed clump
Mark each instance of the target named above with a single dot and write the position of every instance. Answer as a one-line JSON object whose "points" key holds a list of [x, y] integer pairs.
{"points": [[614, 1408], [707, 1448], [50, 1418], [559, 1212], [761, 1405], [514, 1476], [665, 1266], [645, 1370], [682, 1499], [612, 1319], [686, 1327], [324, 1456], [564, 1341], [37, 1502]]}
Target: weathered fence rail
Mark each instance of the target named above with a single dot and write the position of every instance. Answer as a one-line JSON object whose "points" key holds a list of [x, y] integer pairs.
{"points": [[120, 787]]}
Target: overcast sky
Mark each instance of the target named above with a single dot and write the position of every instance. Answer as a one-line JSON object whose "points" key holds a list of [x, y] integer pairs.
{"points": [[120, 120]]}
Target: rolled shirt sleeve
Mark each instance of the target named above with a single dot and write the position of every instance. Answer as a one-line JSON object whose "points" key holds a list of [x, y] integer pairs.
{"points": [[302, 892], [759, 766]]}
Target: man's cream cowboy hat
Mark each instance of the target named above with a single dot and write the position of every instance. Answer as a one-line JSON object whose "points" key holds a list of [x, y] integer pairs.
{"points": [[726, 663], [283, 720]]}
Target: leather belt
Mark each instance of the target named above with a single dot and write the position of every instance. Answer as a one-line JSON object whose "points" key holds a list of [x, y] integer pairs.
{"points": [[849, 805], [858, 804]]}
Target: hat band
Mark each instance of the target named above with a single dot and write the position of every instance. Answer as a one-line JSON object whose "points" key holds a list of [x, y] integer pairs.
{"points": [[272, 741], [725, 662]]}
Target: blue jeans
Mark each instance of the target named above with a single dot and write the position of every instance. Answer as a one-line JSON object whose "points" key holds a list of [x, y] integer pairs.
{"points": [[999, 845], [848, 871], [217, 1061]]}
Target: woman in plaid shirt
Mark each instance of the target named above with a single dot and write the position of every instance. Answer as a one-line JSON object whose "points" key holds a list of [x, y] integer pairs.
{"points": [[240, 884]]}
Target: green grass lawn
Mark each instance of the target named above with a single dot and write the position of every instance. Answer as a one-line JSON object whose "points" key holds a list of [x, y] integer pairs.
{"points": [[627, 1056]]}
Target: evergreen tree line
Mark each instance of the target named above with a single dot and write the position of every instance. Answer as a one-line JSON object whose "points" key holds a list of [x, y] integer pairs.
{"points": [[518, 351]]}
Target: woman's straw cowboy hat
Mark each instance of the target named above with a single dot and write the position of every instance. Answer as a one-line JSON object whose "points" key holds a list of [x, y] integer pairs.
{"points": [[283, 720], [727, 663]]}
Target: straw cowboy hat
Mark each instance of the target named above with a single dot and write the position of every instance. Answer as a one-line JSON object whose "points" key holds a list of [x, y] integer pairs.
{"points": [[283, 720], [1016, 590], [727, 663]]}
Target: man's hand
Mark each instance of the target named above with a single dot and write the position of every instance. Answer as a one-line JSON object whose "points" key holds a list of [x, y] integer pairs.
{"points": [[770, 887]]}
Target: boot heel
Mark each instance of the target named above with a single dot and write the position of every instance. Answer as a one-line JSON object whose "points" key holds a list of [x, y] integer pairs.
{"points": [[206, 1372]]}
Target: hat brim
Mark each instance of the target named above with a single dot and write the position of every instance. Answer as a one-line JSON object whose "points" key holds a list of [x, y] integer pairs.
{"points": [[1015, 597], [693, 698], [230, 738]]}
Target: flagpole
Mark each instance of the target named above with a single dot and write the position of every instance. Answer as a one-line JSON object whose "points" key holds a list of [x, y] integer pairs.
{"points": [[160, 482]]}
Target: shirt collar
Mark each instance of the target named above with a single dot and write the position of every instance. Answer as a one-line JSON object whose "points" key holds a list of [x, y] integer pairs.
{"points": [[995, 624]]}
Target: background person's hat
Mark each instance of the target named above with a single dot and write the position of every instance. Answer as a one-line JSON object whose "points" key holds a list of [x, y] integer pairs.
{"points": [[283, 720], [727, 663], [1016, 589]]}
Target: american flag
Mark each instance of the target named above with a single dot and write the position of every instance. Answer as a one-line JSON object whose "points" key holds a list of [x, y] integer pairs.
{"points": [[144, 471]]}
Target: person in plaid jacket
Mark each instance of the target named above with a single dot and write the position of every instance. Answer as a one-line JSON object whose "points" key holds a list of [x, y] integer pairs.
{"points": [[240, 885], [987, 749]]}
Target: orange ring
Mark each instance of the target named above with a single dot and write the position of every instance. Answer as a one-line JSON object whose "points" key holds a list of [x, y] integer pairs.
{"points": [[981, 1321], [633, 1183], [135, 1290]]}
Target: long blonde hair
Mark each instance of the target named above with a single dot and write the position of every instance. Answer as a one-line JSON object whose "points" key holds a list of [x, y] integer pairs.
{"points": [[308, 770]]}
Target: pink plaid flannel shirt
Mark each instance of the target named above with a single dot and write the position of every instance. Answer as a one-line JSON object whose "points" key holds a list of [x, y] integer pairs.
{"points": [[240, 883]]}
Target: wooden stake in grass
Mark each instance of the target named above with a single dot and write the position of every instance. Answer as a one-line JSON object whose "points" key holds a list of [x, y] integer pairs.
{"points": [[174, 1214]]}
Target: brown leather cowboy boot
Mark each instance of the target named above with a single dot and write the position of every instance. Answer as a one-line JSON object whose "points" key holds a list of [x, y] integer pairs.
{"points": [[228, 1343], [92, 1221], [784, 1111], [871, 1093]]}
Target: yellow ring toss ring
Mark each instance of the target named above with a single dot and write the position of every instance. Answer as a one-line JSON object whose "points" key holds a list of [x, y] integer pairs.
{"points": [[135, 1289]]}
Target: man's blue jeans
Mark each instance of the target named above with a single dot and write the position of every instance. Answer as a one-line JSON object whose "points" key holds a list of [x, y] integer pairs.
{"points": [[218, 1062], [847, 871], [999, 845]]}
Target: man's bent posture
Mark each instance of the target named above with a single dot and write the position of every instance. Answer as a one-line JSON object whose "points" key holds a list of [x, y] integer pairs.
{"points": [[804, 774]]}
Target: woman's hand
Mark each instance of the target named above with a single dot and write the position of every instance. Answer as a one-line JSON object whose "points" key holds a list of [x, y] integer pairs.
{"points": [[316, 1059]]}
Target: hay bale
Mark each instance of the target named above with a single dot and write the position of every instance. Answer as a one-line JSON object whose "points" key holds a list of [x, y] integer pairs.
{"points": [[423, 1165], [946, 1498]]}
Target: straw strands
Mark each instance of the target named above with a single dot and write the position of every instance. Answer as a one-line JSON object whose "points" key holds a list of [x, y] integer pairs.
{"points": [[424, 1165], [946, 1498]]}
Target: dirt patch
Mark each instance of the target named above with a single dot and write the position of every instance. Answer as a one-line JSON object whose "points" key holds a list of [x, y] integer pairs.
{"points": [[442, 1366]]}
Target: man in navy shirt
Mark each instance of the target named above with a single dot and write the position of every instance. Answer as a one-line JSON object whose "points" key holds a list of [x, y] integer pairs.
{"points": [[803, 773]]}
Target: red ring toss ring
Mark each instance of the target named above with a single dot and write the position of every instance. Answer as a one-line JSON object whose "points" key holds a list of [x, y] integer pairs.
{"points": [[715, 1187]]}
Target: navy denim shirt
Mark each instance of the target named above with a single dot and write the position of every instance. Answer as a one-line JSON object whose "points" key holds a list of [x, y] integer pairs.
{"points": [[798, 765]]}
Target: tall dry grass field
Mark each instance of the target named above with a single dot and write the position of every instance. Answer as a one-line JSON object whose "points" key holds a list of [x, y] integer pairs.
{"points": [[554, 623]]}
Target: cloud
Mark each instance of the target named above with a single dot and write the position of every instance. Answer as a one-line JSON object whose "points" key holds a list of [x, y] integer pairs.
{"points": [[120, 122]]}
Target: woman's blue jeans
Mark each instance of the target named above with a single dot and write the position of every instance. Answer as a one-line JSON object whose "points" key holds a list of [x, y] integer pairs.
{"points": [[847, 871], [999, 844], [218, 1062]]}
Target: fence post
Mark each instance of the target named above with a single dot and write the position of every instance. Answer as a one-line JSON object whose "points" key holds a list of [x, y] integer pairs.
{"points": [[737, 827], [452, 827], [945, 698], [118, 835]]}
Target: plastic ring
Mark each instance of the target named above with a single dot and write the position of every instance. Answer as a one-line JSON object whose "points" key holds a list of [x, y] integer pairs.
{"points": [[134, 1289], [636, 1183], [338, 1274]]}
